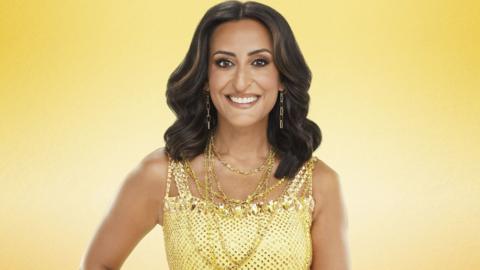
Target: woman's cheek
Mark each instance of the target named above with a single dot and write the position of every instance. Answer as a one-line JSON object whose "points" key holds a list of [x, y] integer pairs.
{"points": [[268, 82]]}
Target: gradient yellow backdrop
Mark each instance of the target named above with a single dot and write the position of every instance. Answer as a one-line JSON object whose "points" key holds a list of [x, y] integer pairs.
{"points": [[395, 91]]}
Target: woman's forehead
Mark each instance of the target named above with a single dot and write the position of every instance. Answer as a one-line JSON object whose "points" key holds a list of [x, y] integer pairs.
{"points": [[240, 36]]}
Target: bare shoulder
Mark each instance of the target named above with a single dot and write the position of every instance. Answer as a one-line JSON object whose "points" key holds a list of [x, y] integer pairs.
{"points": [[152, 171], [149, 177], [154, 165], [326, 186], [325, 178]]}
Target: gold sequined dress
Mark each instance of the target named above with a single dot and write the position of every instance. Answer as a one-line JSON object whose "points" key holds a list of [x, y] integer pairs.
{"points": [[286, 241]]}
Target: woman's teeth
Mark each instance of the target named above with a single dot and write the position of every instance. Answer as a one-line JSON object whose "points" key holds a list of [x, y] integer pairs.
{"points": [[243, 100]]}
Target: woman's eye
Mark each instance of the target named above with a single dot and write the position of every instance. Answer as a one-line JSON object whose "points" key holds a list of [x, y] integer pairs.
{"points": [[220, 62], [224, 63], [263, 61]]}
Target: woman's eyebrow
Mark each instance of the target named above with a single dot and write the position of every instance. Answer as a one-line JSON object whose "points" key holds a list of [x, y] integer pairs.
{"points": [[250, 53]]}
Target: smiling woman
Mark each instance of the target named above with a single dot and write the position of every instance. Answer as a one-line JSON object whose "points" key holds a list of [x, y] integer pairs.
{"points": [[237, 185], [250, 80]]}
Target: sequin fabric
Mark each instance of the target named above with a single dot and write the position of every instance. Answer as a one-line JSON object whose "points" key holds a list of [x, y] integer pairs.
{"points": [[286, 243]]}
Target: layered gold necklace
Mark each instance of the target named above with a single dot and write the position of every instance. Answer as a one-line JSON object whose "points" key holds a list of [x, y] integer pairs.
{"points": [[238, 171], [235, 205]]}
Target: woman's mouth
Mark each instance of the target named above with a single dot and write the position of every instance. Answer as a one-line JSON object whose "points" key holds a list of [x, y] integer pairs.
{"points": [[242, 102]]}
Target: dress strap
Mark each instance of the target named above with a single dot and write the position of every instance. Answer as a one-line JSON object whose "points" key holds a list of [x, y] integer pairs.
{"points": [[307, 191], [181, 180], [303, 178], [171, 168], [176, 174]]}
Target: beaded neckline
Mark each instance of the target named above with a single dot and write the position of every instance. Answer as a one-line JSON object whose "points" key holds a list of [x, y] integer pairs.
{"points": [[286, 201], [199, 205]]}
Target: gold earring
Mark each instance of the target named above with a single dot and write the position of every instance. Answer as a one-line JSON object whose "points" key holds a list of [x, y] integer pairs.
{"points": [[208, 111], [281, 109]]}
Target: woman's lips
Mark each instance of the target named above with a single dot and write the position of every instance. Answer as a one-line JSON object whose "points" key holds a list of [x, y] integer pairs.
{"points": [[242, 105]]}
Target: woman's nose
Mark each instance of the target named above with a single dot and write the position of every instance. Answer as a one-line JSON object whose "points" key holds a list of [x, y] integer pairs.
{"points": [[242, 79]]}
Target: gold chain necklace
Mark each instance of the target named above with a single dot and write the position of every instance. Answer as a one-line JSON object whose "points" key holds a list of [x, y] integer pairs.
{"points": [[257, 192], [250, 198], [212, 209], [200, 187], [221, 195], [260, 230], [238, 171]]}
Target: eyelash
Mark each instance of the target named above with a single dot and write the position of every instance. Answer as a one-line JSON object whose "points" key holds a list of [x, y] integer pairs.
{"points": [[218, 61]]}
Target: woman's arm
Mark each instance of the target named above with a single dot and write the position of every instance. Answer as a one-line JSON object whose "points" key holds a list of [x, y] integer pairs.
{"points": [[134, 212], [329, 226]]}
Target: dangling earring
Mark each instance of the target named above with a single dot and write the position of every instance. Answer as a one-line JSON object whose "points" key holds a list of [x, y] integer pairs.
{"points": [[208, 111], [281, 109]]}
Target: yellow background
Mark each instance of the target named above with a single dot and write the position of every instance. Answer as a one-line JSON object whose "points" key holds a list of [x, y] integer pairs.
{"points": [[395, 91]]}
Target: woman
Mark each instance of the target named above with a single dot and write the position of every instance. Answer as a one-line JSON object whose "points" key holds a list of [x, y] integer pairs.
{"points": [[236, 186]]}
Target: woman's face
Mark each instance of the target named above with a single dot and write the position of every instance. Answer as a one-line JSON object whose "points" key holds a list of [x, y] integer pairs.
{"points": [[243, 79]]}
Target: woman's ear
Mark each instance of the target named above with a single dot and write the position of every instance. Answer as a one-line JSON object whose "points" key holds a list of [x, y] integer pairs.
{"points": [[282, 87]]}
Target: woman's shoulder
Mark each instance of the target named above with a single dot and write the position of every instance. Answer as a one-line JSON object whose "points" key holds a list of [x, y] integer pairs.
{"points": [[323, 174], [154, 166], [149, 174], [157, 157], [325, 182]]}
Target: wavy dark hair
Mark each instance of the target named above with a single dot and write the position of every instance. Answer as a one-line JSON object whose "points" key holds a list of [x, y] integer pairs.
{"points": [[188, 136]]}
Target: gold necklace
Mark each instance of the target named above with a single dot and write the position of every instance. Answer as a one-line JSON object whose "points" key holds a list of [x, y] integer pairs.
{"points": [[222, 195], [258, 238], [199, 186], [261, 184], [213, 210], [238, 171], [257, 193], [252, 197]]}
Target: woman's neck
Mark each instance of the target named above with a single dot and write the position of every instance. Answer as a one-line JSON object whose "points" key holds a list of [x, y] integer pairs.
{"points": [[242, 143]]}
